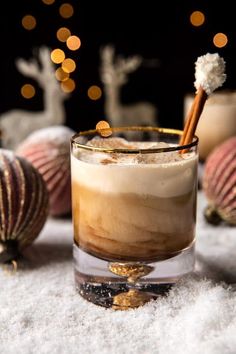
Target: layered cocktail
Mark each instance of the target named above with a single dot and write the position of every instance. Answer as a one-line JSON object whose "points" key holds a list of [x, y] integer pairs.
{"points": [[134, 203]]}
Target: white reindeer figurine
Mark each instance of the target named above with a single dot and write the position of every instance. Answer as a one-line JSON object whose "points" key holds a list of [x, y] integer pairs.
{"points": [[114, 74], [16, 124]]}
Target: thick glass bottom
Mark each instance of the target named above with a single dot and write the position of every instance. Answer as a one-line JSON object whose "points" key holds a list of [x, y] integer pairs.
{"points": [[124, 285]]}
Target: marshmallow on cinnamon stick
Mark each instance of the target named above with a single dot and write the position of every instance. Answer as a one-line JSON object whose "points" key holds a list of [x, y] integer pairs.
{"points": [[209, 75]]}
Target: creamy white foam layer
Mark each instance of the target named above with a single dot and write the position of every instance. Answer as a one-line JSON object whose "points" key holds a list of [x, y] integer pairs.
{"points": [[120, 143], [164, 180]]}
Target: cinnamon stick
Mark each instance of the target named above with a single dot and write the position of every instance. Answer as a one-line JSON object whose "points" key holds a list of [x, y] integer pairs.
{"points": [[193, 117], [187, 121]]}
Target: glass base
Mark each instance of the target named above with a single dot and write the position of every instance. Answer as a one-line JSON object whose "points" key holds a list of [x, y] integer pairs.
{"points": [[125, 285]]}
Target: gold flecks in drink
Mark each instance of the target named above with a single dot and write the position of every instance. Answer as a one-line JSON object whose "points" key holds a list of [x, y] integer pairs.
{"points": [[132, 271], [131, 299], [103, 128]]}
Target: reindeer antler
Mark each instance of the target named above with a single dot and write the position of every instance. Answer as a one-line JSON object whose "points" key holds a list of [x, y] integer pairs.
{"points": [[28, 68], [114, 71], [45, 59], [107, 54], [32, 69], [127, 65]]}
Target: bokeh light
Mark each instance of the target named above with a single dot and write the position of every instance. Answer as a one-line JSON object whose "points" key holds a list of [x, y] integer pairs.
{"points": [[68, 65], [63, 33], [48, 2], [73, 42], [94, 92], [220, 40], [103, 128], [61, 75], [57, 56], [68, 85], [66, 10], [28, 22], [197, 18], [27, 91]]}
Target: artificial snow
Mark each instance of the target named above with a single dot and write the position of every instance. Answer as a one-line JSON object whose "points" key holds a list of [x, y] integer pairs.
{"points": [[40, 311]]}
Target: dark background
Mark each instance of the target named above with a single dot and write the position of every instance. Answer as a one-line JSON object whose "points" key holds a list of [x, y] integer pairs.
{"points": [[156, 30]]}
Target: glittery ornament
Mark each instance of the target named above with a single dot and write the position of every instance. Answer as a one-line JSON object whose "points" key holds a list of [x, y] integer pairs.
{"points": [[23, 204], [48, 150], [219, 183]]}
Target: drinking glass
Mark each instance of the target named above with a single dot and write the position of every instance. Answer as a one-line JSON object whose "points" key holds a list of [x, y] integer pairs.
{"points": [[217, 123], [134, 213]]}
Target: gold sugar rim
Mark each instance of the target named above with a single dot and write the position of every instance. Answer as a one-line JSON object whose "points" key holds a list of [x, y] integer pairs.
{"points": [[133, 151]]}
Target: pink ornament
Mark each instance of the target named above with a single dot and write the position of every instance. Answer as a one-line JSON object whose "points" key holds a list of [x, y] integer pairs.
{"points": [[219, 182], [48, 150]]}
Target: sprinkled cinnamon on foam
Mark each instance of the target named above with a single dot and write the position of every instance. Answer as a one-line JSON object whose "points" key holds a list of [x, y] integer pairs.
{"points": [[119, 158], [110, 143]]}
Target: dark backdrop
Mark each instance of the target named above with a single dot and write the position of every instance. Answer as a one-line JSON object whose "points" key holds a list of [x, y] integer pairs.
{"points": [[156, 30]]}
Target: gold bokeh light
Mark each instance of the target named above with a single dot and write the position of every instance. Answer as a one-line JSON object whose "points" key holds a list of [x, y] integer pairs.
{"points": [[29, 22], [68, 65], [94, 92], [220, 40], [66, 10], [197, 18], [48, 2], [63, 33], [61, 75], [73, 42], [68, 85], [57, 56], [27, 91], [103, 128]]}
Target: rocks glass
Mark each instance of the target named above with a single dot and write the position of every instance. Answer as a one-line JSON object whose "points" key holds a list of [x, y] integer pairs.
{"points": [[134, 213]]}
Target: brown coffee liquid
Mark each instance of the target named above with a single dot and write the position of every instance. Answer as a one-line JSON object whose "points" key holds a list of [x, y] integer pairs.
{"points": [[132, 227]]}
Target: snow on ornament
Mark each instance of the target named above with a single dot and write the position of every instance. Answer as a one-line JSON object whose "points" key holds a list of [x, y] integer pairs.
{"points": [[23, 205], [48, 149], [219, 183]]}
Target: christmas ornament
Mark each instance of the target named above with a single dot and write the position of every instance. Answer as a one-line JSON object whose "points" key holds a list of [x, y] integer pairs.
{"points": [[219, 183], [48, 150], [23, 204]]}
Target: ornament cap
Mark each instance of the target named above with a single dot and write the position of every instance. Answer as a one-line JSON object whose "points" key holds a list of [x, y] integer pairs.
{"points": [[8, 250], [212, 216]]}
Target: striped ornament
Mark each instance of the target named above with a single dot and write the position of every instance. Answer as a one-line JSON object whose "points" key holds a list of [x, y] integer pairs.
{"points": [[48, 150], [219, 182], [23, 204]]}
